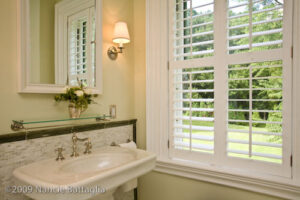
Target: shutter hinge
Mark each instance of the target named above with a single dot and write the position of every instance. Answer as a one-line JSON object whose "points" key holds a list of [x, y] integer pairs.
{"points": [[168, 144], [292, 51], [168, 65], [291, 160]]}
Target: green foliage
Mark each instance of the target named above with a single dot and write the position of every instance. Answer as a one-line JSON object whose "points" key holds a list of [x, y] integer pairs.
{"points": [[260, 27], [76, 95], [275, 128]]}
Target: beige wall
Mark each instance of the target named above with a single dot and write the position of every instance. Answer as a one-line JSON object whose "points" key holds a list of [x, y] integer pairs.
{"points": [[140, 70], [118, 76], [42, 15], [124, 85], [165, 187], [47, 16]]}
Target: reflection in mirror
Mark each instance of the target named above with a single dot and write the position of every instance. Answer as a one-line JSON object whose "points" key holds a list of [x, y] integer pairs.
{"points": [[41, 70], [81, 31], [62, 42]]}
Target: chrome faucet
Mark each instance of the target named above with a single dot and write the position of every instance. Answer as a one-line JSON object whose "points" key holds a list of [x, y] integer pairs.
{"points": [[88, 145]]}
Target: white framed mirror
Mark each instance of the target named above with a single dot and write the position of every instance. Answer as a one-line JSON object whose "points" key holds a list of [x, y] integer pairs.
{"points": [[59, 45]]}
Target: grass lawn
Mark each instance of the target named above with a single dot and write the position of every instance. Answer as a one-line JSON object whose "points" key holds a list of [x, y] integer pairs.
{"points": [[240, 136]]}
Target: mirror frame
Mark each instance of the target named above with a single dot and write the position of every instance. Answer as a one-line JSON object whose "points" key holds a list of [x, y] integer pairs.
{"points": [[23, 53]]}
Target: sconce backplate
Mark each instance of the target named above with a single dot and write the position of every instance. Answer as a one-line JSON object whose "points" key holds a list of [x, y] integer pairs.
{"points": [[112, 53]]}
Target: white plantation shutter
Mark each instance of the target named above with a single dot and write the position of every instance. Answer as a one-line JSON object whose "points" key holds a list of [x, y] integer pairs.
{"points": [[81, 29], [191, 83], [255, 103], [193, 109], [230, 83], [194, 35]]}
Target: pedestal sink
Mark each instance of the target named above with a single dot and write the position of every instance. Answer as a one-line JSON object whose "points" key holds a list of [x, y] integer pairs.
{"points": [[94, 176]]}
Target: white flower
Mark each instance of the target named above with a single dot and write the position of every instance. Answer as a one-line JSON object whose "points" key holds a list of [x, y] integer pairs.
{"points": [[64, 90], [79, 93], [88, 91]]}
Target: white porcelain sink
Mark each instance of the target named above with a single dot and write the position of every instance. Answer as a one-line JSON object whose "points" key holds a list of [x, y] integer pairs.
{"points": [[94, 176]]}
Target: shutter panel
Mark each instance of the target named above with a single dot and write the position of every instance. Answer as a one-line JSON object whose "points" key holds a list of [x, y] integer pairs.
{"points": [[192, 93], [193, 109], [259, 83], [254, 25], [255, 111], [194, 35], [81, 32], [78, 50]]}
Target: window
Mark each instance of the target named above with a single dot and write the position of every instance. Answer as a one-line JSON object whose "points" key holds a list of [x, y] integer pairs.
{"points": [[245, 62], [222, 92]]}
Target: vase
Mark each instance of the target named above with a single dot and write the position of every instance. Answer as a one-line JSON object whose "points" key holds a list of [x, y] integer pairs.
{"points": [[73, 111]]}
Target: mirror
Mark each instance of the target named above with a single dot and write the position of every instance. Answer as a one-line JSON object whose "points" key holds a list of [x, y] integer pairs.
{"points": [[60, 45]]}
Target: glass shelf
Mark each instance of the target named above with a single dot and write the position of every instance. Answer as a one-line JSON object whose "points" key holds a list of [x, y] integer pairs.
{"points": [[19, 124]]}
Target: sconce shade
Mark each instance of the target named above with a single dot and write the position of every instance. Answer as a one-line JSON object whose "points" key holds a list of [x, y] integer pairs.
{"points": [[121, 35]]}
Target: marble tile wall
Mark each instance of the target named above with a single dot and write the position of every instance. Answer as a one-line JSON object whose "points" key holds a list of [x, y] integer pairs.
{"points": [[15, 154]]}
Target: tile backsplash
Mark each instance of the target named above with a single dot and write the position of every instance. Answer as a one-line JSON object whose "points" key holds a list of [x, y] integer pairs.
{"points": [[16, 154]]}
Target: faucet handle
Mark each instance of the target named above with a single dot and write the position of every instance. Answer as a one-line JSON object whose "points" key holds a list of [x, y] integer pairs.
{"points": [[60, 149], [59, 153], [88, 147]]}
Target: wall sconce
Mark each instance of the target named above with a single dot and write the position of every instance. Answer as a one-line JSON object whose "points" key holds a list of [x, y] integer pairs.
{"points": [[121, 36]]}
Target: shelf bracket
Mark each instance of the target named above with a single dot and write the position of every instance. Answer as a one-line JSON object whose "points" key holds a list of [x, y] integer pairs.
{"points": [[17, 125]]}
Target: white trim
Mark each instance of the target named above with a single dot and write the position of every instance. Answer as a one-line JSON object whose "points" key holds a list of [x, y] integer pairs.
{"points": [[157, 127], [220, 82], [23, 53], [98, 53], [156, 75], [278, 189], [50, 89], [296, 94], [35, 44]]}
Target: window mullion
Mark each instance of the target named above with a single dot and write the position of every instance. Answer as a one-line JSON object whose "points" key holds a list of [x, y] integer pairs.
{"points": [[250, 111], [287, 86], [220, 95], [250, 24]]}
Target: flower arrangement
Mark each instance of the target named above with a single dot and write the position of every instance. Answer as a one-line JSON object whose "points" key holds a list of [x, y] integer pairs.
{"points": [[79, 98]]}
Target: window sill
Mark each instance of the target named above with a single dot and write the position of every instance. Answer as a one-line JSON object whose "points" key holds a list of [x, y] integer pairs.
{"points": [[284, 189]]}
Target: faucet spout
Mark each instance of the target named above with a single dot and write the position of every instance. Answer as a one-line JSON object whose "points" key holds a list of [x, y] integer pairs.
{"points": [[75, 139]]}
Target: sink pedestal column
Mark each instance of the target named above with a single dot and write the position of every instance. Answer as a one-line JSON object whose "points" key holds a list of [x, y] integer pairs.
{"points": [[105, 196]]}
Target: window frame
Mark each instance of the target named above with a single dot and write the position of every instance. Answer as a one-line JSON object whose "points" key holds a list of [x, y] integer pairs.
{"points": [[158, 112]]}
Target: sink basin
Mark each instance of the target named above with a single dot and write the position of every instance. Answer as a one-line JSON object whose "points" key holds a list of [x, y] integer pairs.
{"points": [[99, 162], [94, 176]]}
